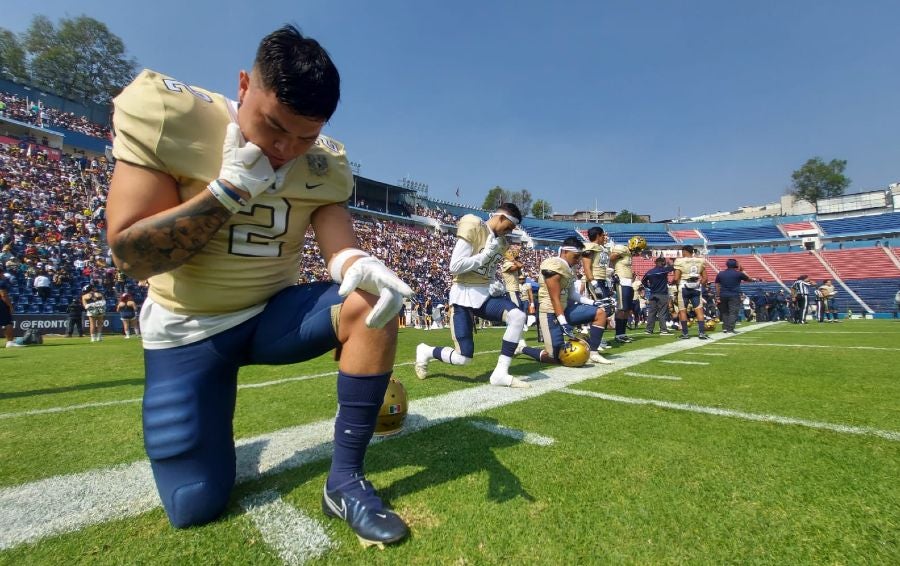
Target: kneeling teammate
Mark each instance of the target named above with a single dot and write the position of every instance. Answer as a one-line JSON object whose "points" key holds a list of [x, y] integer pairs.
{"points": [[562, 306], [475, 292]]}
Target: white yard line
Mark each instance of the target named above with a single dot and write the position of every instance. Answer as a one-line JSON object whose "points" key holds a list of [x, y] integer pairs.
{"points": [[704, 354], [652, 376], [845, 429], [66, 408], [779, 345], [684, 362], [292, 534], [60, 504], [521, 435]]}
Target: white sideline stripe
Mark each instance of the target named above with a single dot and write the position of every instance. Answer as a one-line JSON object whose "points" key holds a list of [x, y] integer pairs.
{"points": [[684, 362], [703, 354], [826, 332], [732, 343], [526, 437], [65, 408], [292, 534], [846, 429], [60, 504], [652, 376]]}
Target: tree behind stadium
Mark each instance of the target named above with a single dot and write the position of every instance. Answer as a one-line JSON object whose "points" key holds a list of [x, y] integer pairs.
{"points": [[79, 59], [817, 179], [498, 195]]}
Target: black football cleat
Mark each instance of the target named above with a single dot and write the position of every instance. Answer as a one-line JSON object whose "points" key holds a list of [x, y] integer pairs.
{"points": [[357, 503]]}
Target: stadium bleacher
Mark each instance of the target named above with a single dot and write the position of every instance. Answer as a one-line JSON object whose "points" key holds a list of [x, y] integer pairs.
{"points": [[878, 294], [749, 264], [861, 263], [790, 265], [888, 223], [745, 234]]}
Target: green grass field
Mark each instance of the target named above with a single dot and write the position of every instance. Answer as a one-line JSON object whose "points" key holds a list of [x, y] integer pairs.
{"points": [[780, 445]]}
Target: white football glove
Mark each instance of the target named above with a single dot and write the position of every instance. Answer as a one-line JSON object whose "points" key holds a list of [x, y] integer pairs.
{"points": [[497, 289], [492, 245], [243, 164], [369, 274]]}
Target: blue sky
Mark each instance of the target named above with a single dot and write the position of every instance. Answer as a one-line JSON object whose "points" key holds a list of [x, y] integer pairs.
{"points": [[659, 107]]}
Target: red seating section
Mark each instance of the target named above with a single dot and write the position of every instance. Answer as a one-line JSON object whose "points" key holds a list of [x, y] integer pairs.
{"points": [[748, 263], [861, 263], [789, 265]]}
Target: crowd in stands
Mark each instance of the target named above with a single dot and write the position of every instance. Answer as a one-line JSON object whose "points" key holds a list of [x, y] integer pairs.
{"points": [[438, 214], [36, 113], [52, 218]]}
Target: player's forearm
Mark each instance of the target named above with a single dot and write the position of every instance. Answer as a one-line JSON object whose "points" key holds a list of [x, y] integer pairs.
{"points": [[167, 240]]}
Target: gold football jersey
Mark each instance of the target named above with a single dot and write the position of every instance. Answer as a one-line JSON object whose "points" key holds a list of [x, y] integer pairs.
{"points": [[599, 260], [691, 268], [475, 231], [622, 265], [566, 276], [510, 276], [178, 129]]}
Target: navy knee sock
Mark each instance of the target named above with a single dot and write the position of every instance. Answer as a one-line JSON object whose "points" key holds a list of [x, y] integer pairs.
{"points": [[359, 400]]}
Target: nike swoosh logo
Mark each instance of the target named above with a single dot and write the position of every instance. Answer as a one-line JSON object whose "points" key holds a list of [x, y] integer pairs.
{"points": [[308, 186], [340, 511]]}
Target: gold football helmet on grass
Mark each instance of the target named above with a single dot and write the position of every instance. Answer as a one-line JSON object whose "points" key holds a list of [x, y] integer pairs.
{"points": [[710, 323], [574, 353], [393, 409]]}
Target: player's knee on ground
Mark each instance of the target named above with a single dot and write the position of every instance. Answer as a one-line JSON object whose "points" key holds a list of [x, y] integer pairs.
{"points": [[194, 478]]}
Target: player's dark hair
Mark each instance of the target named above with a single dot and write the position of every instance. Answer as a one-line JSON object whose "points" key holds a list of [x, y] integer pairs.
{"points": [[512, 210], [688, 248], [574, 242], [300, 73], [593, 232]]}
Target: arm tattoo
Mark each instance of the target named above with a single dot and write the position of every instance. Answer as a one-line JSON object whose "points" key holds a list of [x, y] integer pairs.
{"points": [[167, 240]]}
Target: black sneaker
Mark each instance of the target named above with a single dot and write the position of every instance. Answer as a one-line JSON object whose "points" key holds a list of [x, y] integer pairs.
{"points": [[665, 332], [703, 337], [685, 337], [623, 339], [357, 503]]}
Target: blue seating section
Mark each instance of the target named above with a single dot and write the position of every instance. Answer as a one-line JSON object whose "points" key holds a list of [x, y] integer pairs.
{"points": [[549, 234], [877, 224], [654, 238], [744, 234], [877, 293]]}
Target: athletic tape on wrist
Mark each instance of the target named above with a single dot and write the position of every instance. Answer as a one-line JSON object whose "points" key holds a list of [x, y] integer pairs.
{"points": [[232, 203], [336, 267]]}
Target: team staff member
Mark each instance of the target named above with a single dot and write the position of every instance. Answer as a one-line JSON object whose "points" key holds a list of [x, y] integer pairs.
{"points": [[690, 277], [656, 282], [210, 199], [475, 293], [728, 291], [561, 307]]}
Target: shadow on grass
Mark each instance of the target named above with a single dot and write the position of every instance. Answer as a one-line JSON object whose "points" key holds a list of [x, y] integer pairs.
{"points": [[452, 450], [70, 388]]}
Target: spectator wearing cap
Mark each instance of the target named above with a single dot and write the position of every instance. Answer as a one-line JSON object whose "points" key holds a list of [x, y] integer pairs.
{"points": [[728, 291], [656, 283]]}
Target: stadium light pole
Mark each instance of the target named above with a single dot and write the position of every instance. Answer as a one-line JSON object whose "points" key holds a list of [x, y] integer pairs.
{"points": [[355, 166]]}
